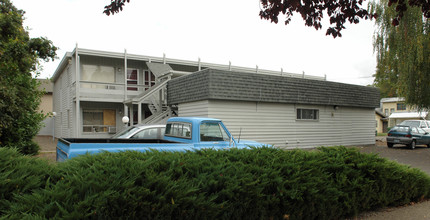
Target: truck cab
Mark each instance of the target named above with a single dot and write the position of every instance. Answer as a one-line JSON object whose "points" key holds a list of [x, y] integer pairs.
{"points": [[203, 132]]}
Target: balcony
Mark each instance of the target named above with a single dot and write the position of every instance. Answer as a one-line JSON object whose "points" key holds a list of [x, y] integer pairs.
{"points": [[108, 92]]}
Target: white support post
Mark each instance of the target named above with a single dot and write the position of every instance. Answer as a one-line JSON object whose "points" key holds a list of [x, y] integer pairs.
{"points": [[256, 68], [78, 86], [164, 58], [139, 113], [229, 65], [131, 115], [200, 65], [125, 74], [282, 71]]}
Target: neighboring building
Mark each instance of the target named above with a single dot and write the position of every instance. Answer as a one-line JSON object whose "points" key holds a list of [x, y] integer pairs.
{"points": [[397, 111], [94, 90], [399, 117], [381, 122], [284, 111], [46, 106], [395, 104]]}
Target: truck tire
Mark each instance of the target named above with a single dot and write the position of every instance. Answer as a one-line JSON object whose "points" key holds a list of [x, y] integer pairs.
{"points": [[390, 145], [412, 145]]}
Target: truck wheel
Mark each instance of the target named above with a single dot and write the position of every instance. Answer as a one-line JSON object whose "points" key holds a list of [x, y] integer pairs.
{"points": [[390, 145], [412, 145]]}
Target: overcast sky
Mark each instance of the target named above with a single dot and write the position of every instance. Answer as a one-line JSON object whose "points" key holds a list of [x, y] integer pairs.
{"points": [[216, 31]]}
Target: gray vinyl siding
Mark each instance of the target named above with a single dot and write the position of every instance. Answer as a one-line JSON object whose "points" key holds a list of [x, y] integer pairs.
{"points": [[195, 109], [64, 105], [276, 124]]}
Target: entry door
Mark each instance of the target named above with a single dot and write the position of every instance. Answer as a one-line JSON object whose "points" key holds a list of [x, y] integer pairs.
{"points": [[109, 119]]}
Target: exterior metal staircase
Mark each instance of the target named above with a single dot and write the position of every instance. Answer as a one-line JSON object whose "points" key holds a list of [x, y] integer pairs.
{"points": [[155, 98]]}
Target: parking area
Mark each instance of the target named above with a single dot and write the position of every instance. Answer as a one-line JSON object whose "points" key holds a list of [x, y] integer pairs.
{"points": [[418, 158]]}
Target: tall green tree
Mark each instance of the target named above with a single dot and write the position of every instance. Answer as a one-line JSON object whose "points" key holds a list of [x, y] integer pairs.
{"points": [[20, 119], [403, 54]]}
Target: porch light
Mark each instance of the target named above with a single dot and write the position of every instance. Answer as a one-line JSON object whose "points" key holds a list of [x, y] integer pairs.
{"points": [[125, 120]]}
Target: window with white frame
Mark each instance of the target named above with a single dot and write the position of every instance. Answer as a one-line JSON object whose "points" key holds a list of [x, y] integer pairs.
{"points": [[99, 120], [97, 73], [132, 79], [149, 79], [307, 114]]}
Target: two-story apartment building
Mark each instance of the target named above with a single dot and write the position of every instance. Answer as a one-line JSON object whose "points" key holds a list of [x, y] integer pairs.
{"points": [[94, 90]]}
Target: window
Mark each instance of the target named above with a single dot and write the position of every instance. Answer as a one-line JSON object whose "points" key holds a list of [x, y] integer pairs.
{"points": [[97, 73], [213, 132], [307, 114], [132, 79], [386, 111], [391, 111], [179, 129], [98, 120], [421, 131], [151, 133], [401, 106], [149, 79]]}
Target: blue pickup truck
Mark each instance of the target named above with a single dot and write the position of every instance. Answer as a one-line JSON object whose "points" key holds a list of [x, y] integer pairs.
{"points": [[181, 134]]}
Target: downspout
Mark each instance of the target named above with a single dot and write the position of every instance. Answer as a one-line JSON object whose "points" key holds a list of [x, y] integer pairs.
{"points": [[78, 86]]}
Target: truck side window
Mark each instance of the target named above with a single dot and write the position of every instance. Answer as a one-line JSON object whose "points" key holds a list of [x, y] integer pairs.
{"points": [[210, 131], [178, 129]]}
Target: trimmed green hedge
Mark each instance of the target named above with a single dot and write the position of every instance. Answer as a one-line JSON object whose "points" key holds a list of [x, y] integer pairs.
{"points": [[261, 183], [21, 175]]}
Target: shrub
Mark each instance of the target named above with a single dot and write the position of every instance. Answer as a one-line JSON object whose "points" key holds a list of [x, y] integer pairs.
{"points": [[261, 183], [20, 175]]}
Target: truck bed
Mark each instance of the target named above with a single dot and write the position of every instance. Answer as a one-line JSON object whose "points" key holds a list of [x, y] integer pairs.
{"points": [[71, 147], [104, 140]]}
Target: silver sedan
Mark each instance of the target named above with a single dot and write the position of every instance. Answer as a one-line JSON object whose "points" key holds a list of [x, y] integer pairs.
{"points": [[142, 132]]}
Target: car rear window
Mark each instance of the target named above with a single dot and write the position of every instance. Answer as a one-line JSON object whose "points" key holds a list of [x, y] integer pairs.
{"points": [[400, 129], [411, 123]]}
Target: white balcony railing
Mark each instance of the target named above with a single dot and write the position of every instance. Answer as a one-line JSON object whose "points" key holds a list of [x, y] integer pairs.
{"points": [[99, 129]]}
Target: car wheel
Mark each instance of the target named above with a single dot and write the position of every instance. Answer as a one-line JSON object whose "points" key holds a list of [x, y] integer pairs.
{"points": [[412, 145], [428, 145], [390, 145]]}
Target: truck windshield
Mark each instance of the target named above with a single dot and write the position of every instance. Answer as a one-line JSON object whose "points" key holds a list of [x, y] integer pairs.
{"points": [[210, 131]]}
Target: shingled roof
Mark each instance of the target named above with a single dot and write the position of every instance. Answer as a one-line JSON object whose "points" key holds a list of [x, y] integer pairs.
{"points": [[213, 84]]}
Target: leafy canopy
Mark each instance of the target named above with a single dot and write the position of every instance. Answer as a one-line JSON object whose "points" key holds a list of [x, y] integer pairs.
{"points": [[403, 54], [312, 11], [19, 94]]}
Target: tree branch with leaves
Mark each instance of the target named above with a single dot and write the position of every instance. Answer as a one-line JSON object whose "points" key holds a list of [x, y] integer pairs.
{"points": [[312, 11]]}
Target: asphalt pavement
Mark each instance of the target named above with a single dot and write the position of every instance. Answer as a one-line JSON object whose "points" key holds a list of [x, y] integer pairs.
{"points": [[418, 158]]}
